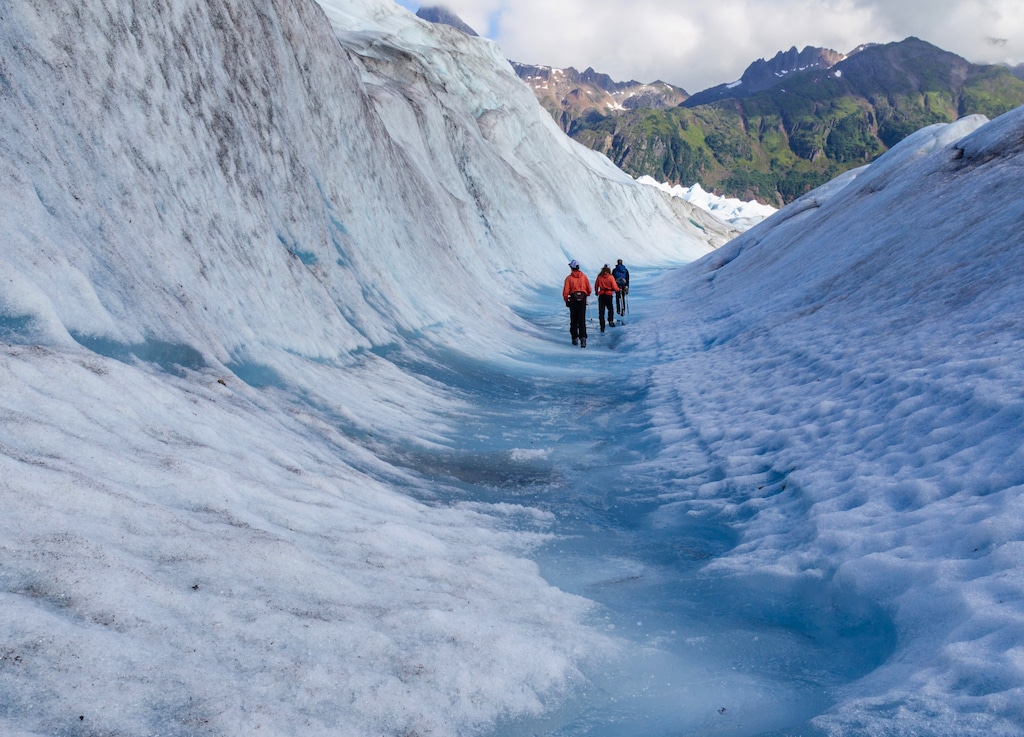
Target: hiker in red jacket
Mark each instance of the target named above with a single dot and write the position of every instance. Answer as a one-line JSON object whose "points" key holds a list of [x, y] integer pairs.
{"points": [[605, 287], [575, 291]]}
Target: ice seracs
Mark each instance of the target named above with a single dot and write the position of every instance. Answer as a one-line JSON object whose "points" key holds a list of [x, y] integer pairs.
{"points": [[737, 213]]}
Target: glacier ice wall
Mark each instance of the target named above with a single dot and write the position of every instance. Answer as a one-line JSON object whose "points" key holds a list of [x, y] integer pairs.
{"points": [[331, 179]]}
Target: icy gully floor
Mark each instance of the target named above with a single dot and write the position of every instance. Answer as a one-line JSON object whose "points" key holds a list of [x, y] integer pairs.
{"points": [[707, 655]]}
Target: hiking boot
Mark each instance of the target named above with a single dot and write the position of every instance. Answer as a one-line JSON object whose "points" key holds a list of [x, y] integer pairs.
{"points": [[583, 342], [611, 324], [575, 342]]}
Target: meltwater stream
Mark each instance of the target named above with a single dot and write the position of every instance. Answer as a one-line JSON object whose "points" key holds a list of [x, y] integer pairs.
{"points": [[703, 654]]}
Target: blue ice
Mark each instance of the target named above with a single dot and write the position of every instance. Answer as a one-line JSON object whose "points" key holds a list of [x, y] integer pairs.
{"points": [[706, 653]]}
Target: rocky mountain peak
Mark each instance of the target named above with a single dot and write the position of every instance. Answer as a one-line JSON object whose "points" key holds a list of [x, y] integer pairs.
{"points": [[442, 15], [569, 94], [763, 74]]}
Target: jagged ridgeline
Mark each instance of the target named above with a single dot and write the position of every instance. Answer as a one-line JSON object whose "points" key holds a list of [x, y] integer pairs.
{"points": [[789, 125], [572, 96]]}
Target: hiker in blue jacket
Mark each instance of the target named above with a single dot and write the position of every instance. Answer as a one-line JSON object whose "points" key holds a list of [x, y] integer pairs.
{"points": [[621, 274]]}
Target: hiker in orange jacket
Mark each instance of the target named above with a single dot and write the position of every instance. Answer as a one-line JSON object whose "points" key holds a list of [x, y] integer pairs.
{"points": [[575, 291], [606, 287]]}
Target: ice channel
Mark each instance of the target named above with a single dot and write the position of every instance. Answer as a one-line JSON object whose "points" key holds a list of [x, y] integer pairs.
{"points": [[707, 654]]}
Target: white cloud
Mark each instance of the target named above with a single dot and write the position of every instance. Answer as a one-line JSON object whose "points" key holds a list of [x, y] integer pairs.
{"points": [[701, 45]]}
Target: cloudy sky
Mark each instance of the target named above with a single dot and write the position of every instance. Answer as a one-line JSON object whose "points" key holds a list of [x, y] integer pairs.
{"points": [[699, 45]]}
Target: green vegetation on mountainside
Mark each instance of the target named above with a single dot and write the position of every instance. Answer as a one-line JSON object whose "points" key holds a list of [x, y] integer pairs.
{"points": [[778, 144]]}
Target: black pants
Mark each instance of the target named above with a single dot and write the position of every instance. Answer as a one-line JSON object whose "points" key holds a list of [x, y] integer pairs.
{"points": [[604, 302], [578, 319], [620, 301]]}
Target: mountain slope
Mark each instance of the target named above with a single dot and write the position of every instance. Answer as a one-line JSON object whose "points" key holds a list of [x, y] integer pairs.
{"points": [[441, 14], [780, 142], [765, 74], [570, 95]]}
